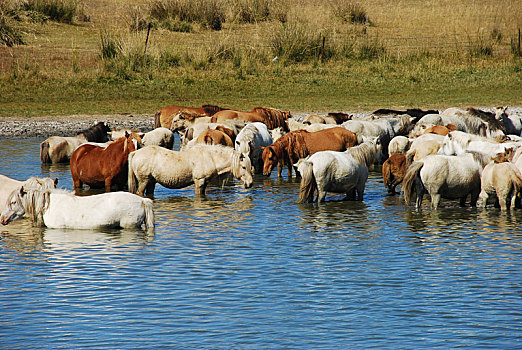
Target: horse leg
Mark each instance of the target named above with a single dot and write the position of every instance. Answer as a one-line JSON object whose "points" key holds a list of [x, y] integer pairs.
{"points": [[149, 188], [419, 190], [462, 201], [108, 182], [200, 185], [142, 186], [483, 198], [474, 198]]}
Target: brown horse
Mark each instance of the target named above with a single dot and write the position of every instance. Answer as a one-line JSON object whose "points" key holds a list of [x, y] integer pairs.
{"points": [[440, 129], [393, 170], [272, 118], [215, 137], [163, 117], [298, 144], [101, 167]]}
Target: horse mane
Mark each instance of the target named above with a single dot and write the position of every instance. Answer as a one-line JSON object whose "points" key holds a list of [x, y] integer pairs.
{"points": [[340, 117], [488, 117], [211, 109], [273, 118], [364, 153], [416, 113], [40, 183], [235, 164], [37, 202], [296, 148], [482, 158], [96, 133]]}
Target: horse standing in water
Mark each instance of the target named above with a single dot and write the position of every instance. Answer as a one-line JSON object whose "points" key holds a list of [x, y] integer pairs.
{"points": [[58, 149], [338, 172], [61, 209], [250, 141], [101, 167], [393, 170], [299, 144], [450, 177], [502, 180], [177, 169]]}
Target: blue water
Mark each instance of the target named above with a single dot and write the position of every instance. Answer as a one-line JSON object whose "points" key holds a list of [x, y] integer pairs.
{"points": [[251, 269]]}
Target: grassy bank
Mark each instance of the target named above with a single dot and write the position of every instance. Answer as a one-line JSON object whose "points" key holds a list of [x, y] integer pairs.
{"points": [[401, 55]]}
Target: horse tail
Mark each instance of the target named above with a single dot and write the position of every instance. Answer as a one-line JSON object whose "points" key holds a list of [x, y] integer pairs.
{"points": [[44, 152], [131, 178], [157, 119], [149, 214], [386, 173], [408, 183], [308, 183]]}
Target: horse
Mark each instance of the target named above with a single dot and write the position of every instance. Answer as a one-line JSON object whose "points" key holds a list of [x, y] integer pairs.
{"points": [[56, 208], [230, 127], [251, 140], [300, 143], [415, 113], [504, 181], [338, 172], [399, 144], [163, 117], [184, 119], [459, 142], [161, 136], [449, 177], [294, 125], [8, 185], [215, 137], [440, 129], [512, 123], [101, 167], [393, 170], [177, 169], [385, 128], [273, 118], [58, 149]]}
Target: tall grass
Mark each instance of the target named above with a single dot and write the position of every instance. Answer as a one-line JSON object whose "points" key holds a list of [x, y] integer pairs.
{"points": [[350, 12], [10, 35], [56, 10], [208, 13]]}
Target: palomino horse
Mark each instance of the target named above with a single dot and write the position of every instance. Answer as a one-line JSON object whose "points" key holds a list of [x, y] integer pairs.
{"points": [[8, 185], [58, 149], [450, 177], [163, 117], [61, 209], [273, 118], [101, 167], [393, 170], [338, 172], [250, 141], [177, 169], [300, 143], [504, 181]]}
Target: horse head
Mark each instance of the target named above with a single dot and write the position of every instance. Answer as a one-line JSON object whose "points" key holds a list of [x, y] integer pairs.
{"points": [[183, 119], [270, 158], [242, 169], [500, 113], [14, 209]]}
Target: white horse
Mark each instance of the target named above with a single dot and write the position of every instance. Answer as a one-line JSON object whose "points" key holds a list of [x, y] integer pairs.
{"points": [[399, 144], [504, 181], [61, 209], [8, 185], [456, 143], [249, 142], [177, 169], [450, 177], [294, 124], [162, 137], [338, 172]]}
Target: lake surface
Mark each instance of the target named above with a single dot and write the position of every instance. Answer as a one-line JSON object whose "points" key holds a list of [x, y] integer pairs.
{"points": [[251, 269]]}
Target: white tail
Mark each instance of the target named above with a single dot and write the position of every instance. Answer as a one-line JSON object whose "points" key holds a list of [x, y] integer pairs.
{"points": [[149, 214], [131, 179]]}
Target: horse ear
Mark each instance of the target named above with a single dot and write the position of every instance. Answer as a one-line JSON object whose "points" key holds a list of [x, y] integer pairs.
{"points": [[126, 134]]}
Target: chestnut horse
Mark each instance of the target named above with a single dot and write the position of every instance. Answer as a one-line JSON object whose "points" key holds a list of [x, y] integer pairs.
{"points": [[98, 167], [393, 170], [272, 118], [163, 117], [300, 143]]}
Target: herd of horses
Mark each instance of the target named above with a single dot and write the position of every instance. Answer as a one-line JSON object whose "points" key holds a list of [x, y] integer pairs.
{"points": [[451, 154]]}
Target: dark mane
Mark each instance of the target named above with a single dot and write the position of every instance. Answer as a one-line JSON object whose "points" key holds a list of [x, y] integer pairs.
{"points": [[340, 117], [210, 110], [489, 118], [273, 118], [96, 133], [416, 113]]}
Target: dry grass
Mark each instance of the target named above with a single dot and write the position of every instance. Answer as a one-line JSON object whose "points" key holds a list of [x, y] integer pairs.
{"points": [[404, 41]]}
